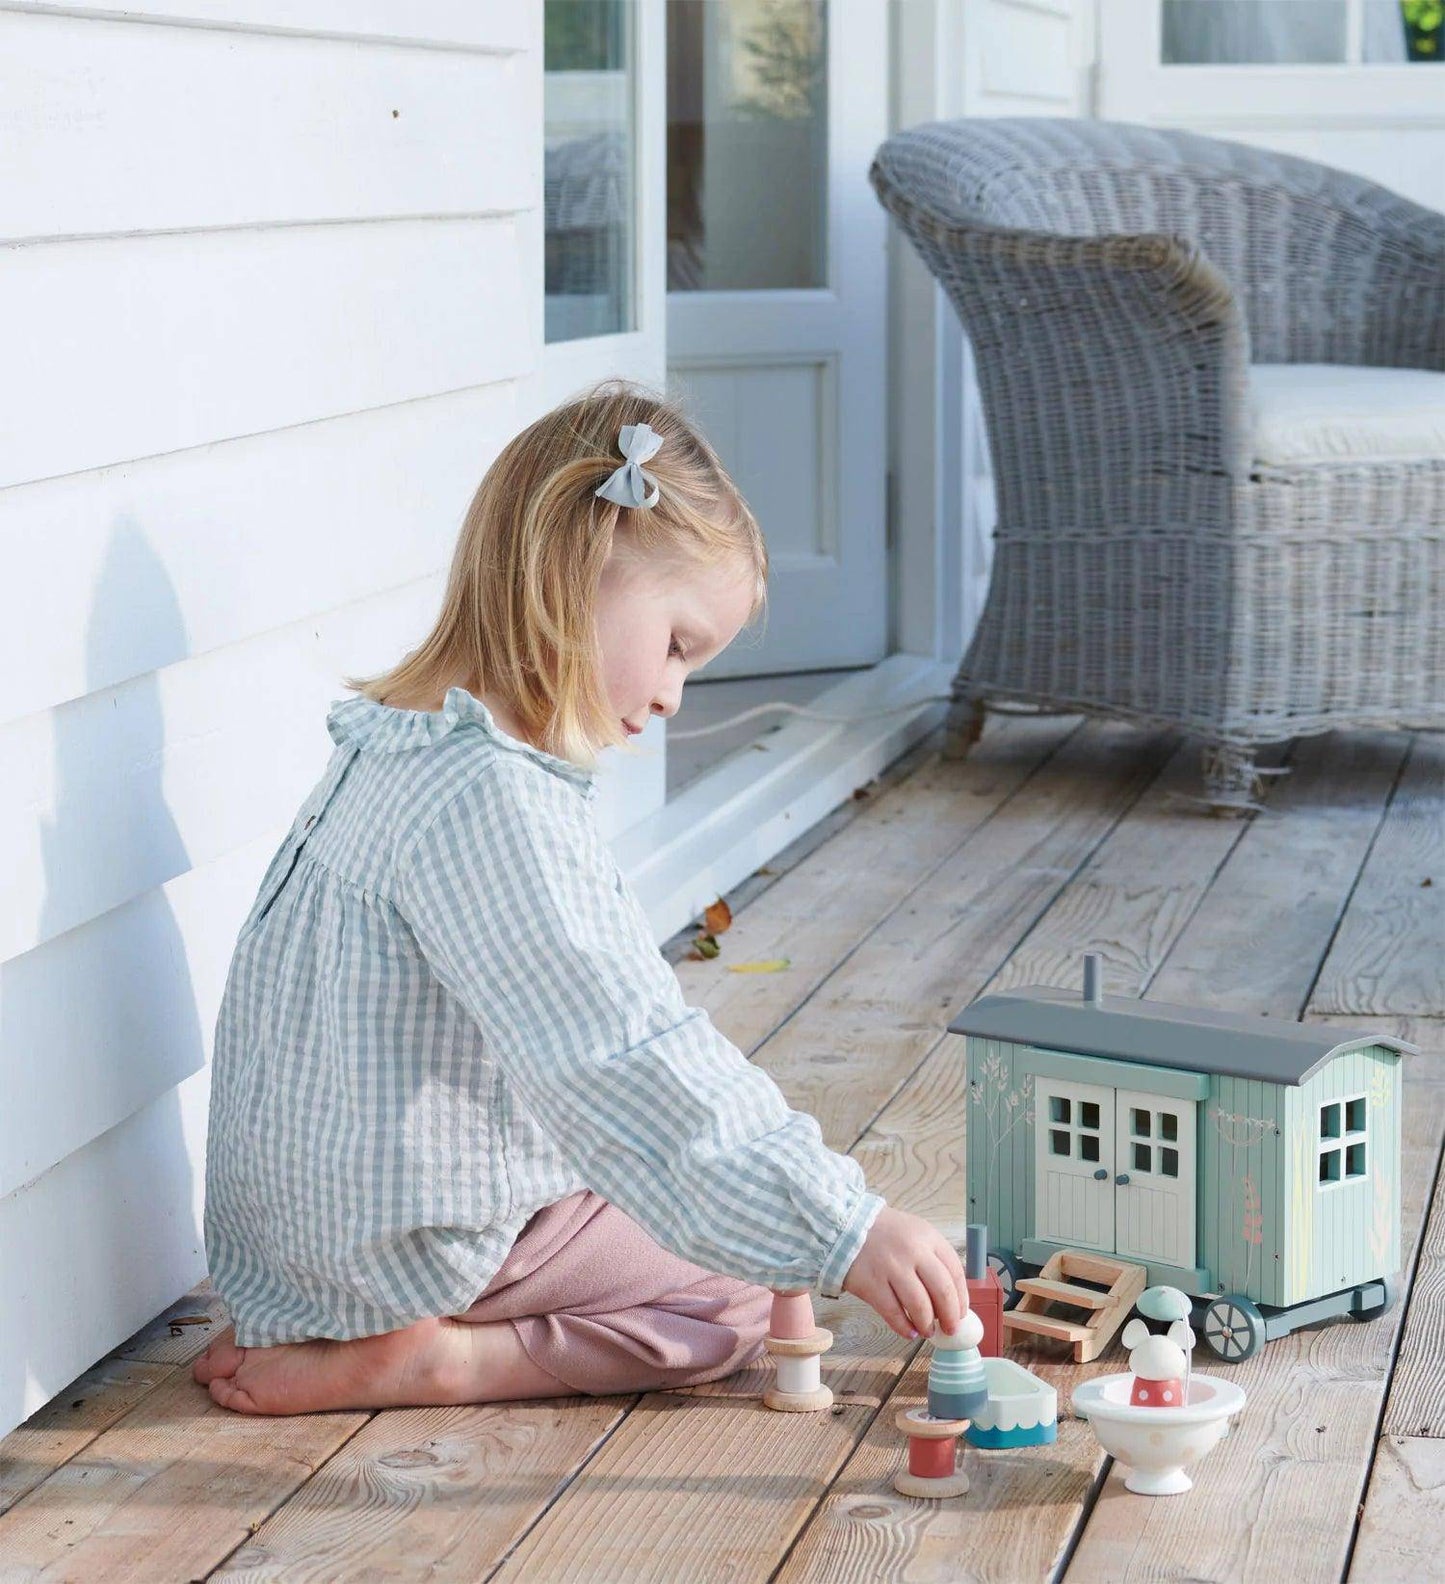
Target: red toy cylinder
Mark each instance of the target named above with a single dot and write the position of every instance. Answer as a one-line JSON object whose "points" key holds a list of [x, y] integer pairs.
{"points": [[932, 1459], [985, 1298]]}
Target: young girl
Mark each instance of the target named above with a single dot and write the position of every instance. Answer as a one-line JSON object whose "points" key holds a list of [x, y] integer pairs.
{"points": [[467, 1141]]}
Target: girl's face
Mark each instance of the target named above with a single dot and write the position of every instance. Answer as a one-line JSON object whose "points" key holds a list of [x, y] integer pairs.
{"points": [[658, 621]]}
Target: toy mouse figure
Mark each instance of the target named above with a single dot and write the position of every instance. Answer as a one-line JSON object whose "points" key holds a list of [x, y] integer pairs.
{"points": [[1160, 1358]]}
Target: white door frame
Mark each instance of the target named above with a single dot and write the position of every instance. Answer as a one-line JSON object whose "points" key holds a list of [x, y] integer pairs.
{"points": [[680, 855]]}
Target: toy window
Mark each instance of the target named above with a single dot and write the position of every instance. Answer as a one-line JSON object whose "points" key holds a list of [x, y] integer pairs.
{"points": [[1088, 1147], [1169, 1162], [1143, 1156], [1059, 1110], [1089, 1113], [1059, 1140], [1168, 1126], [1138, 1122], [1343, 1141]]}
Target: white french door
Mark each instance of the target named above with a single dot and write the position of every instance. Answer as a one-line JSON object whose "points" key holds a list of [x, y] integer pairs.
{"points": [[777, 301], [1114, 1170]]}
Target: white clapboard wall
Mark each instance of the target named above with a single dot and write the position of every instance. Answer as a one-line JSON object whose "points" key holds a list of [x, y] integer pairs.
{"points": [[268, 307]]}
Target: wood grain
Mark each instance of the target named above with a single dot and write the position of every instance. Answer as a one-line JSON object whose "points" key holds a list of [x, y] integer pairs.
{"points": [[1417, 1392], [168, 1491], [1389, 955], [1402, 1531], [427, 1490], [819, 911]]}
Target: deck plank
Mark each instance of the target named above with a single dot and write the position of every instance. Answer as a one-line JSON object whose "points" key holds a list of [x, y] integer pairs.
{"points": [[102, 1395], [403, 1497], [1389, 956], [819, 911], [1416, 1404], [168, 1491], [1402, 1532], [1162, 877]]}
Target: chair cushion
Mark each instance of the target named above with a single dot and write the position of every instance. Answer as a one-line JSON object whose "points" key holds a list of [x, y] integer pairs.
{"points": [[1331, 412]]}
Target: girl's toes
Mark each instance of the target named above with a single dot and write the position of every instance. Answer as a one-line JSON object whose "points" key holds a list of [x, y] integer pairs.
{"points": [[229, 1395], [220, 1360]]}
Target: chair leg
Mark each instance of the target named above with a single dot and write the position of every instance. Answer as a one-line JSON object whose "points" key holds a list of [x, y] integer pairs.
{"points": [[963, 727], [1233, 783]]}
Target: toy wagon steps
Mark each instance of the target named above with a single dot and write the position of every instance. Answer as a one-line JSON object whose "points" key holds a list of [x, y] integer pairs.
{"points": [[1104, 1310]]}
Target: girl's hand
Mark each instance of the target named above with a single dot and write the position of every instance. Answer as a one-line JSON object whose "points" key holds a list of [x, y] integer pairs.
{"points": [[910, 1273]]}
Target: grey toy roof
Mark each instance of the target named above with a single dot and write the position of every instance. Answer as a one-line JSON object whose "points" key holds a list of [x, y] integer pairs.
{"points": [[1239, 1045]]}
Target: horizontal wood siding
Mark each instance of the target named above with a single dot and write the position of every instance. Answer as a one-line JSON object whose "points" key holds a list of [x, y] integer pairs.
{"points": [[238, 538], [270, 308], [1241, 1211]]}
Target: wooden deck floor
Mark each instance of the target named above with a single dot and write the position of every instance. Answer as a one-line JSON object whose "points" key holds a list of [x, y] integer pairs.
{"points": [[1052, 838]]}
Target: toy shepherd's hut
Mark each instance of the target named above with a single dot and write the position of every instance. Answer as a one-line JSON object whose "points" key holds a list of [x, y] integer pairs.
{"points": [[1253, 1163]]}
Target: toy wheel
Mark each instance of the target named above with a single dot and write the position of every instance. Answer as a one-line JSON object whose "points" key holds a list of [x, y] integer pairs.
{"points": [[1233, 1328], [1003, 1264], [1375, 1310]]}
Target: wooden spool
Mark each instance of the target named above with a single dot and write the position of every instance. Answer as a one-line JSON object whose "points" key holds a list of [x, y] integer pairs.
{"points": [[932, 1456], [798, 1387]]}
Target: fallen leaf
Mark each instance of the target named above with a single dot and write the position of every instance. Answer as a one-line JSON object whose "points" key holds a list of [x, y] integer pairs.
{"points": [[706, 946], [766, 965], [718, 918]]}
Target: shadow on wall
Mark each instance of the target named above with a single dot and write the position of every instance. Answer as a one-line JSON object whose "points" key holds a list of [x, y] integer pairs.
{"points": [[98, 1024]]}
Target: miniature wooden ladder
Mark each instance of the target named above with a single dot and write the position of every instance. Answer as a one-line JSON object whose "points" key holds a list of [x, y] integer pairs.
{"points": [[1106, 1311]]}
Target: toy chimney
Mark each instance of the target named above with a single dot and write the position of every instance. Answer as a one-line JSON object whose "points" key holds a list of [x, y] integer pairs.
{"points": [[1093, 981]]}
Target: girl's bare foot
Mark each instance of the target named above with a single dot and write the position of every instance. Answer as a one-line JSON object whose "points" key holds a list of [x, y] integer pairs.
{"points": [[432, 1362]]}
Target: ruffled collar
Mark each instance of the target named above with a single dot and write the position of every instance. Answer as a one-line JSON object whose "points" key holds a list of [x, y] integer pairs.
{"points": [[380, 728]]}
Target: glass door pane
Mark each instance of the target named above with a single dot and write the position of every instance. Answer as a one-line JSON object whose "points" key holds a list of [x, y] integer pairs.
{"points": [[747, 126], [589, 176], [1254, 32]]}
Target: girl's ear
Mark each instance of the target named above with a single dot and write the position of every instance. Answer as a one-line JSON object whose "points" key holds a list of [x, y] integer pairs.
{"points": [[1182, 1336], [1134, 1333]]}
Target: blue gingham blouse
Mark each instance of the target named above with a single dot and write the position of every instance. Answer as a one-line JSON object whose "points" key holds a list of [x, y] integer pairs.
{"points": [[445, 1011]]}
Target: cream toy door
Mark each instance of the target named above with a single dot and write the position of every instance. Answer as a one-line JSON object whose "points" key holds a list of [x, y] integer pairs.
{"points": [[1074, 1141], [1154, 1179]]}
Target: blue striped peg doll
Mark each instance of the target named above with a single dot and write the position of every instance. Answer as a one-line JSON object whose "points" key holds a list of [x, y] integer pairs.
{"points": [[957, 1386]]}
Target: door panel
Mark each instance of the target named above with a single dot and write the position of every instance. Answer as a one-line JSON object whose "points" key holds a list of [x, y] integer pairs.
{"points": [[777, 302], [1154, 1150], [1074, 1138]]}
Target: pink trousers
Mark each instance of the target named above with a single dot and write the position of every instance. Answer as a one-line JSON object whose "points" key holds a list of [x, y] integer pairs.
{"points": [[597, 1303]]}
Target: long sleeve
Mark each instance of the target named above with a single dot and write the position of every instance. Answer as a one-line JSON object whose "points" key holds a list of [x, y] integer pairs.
{"points": [[519, 907]]}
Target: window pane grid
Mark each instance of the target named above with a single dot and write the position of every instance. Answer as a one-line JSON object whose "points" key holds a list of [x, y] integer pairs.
{"points": [[1343, 1138]]}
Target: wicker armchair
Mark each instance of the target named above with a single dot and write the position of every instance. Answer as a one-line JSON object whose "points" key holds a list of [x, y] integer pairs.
{"points": [[1123, 288]]}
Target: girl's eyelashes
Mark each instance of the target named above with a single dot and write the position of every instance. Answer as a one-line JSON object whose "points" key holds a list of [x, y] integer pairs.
{"points": [[676, 649]]}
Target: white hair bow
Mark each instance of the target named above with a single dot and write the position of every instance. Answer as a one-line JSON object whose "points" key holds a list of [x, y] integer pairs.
{"points": [[629, 485]]}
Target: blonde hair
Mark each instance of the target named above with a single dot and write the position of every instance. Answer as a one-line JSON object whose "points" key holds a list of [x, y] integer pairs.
{"points": [[518, 619]]}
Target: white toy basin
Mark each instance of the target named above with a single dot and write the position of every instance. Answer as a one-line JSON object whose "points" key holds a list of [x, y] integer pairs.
{"points": [[1156, 1444]]}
